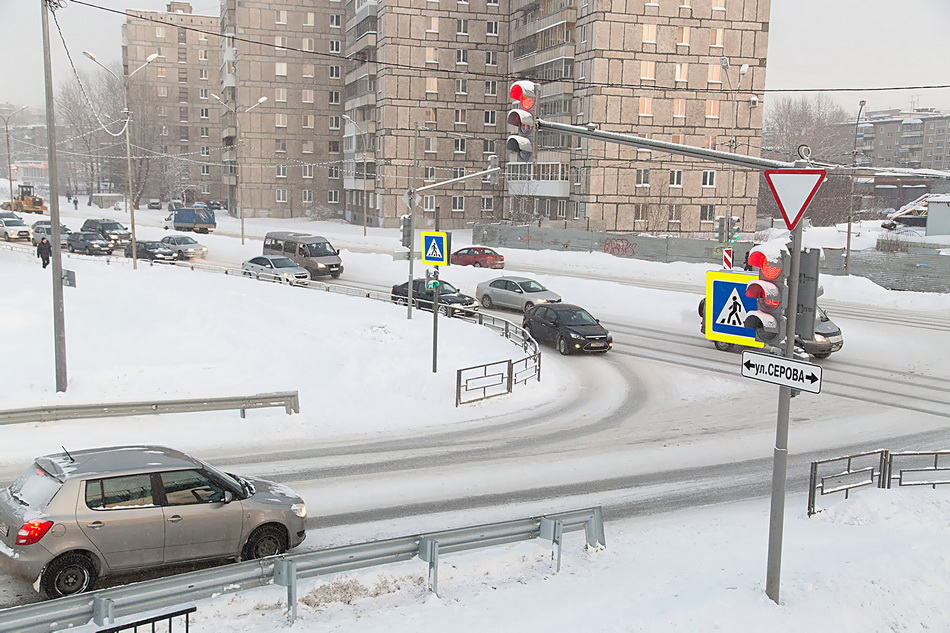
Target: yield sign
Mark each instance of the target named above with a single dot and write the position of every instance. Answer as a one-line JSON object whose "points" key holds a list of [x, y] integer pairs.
{"points": [[793, 190]]}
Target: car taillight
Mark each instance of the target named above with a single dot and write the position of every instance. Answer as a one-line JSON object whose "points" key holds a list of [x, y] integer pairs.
{"points": [[32, 532]]}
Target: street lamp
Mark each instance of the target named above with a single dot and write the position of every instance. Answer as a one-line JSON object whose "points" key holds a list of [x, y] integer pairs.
{"points": [[6, 126], [724, 64], [237, 153], [129, 205], [363, 186], [854, 161]]}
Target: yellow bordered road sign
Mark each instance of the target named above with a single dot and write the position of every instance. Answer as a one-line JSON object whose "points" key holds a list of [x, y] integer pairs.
{"points": [[435, 248], [727, 306]]}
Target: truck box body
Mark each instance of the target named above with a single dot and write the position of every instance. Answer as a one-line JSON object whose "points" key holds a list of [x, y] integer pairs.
{"points": [[189, 219]]}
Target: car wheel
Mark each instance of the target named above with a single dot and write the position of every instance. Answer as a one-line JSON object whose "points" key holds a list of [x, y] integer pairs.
{"points": [[724, 347], [487, 302], [335, 275], [6, 236], [70, 248], [88, 251], [528, 306], [562, 346], [68, 575], [444, 311], [267, 540], [181, 255], [477, 264], [822, 355]]}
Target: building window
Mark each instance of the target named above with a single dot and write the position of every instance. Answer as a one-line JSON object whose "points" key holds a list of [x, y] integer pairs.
{"points": [[643, 177], [160, 72], [202, 93], [280, 42], [307, 95], [205, 189], [280, 146], [488, 205], [160, 31], [460, 117], [307, 147], [204, 132], [182, 75], [715, 37], [281, 19], [429, 173], [639, 212], [461, 27], [182, 36], [458, 172], [431, 57], [334, 97], [712, 108], [428, 204], [461, 56], [336, 46], [204, 113], [679, 108], [307, 195], [491, 58], [459, 145], [490, 117], [461, 86], [336, 21], [334, 122], [308, 19], [333, 196], [333, 147], [163, 131], [718, 5], [309, 120], [679, 139], [492, 3], [206, 170], [646, 106], [163, 91], [488, 146], [648, 70], [308, 171], [433, 25], [709, 178], [307, 70], [205, 150], [280, 120], [280, 95], [280, 69], [333, 172], [675, 213], [492, 28], [431, 145], [310, 44], [682, 36], [707, 212], [203, 74], [715, 74], [281, 171], [430, 115], [432, 84], [711, 142], [281, 195], [335, 72], [458, 204], [649, 33], [203, 55], [676, 177], [491, 88]]}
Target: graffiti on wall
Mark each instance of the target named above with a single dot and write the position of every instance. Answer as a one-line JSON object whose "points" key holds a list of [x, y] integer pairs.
{"points": [[619, 247]]}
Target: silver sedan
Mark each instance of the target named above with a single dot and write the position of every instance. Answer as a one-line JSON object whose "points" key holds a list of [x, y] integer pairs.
{"points": [[275, 268], [185, 247], [519, 293]]}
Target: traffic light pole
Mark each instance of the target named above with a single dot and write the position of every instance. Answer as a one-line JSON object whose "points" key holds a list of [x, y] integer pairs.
{"points": [[780, 452]]}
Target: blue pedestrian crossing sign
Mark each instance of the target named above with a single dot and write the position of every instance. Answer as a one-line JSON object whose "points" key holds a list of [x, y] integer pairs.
{"points": [[435, 248], [727, 307]]}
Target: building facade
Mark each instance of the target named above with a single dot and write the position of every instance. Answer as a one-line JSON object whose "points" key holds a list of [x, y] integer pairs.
{"points": [[897, 138]]}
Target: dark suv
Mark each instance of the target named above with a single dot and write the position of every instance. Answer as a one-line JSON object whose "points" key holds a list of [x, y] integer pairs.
{"points": [[110, 230], [568, 327]]}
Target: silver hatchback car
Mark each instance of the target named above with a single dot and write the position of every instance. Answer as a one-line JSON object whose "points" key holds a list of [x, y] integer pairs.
{"points": [[72, 518]]}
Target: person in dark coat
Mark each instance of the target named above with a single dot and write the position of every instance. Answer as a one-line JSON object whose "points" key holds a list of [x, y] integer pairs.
{"points": [[44, 250], [76, 203]]}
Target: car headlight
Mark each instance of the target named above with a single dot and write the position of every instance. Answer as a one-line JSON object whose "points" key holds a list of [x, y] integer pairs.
{"points": [[575, 335], [820, 339], [321, 266], [300, 509]]}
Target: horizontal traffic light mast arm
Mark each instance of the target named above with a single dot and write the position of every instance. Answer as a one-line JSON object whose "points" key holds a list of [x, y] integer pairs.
{"points": [[741, 160], [444, 183]]}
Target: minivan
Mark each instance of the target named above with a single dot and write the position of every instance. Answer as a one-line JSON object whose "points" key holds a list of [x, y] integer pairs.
{"points": [[312, 252]]}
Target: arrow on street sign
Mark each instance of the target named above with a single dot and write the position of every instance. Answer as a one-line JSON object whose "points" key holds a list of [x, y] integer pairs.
{"points": [[777, 370], [793, 190]]}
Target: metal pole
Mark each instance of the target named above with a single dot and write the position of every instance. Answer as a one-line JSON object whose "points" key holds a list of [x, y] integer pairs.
{"points": [[365, 197], [59, 318], [128, 158], [780, 454], [6, 126], [237, 169], [435, 321], [854, 160], [412, 227]]}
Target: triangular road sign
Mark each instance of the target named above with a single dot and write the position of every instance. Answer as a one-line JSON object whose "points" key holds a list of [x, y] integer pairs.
{"points": [[793, 190]]}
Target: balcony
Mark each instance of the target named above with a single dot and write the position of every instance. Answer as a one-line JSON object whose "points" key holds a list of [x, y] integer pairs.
{"points": [[229, 81], [228, 131]]}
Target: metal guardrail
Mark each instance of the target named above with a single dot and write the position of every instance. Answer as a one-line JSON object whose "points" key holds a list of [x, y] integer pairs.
{"points": [[877, 469], [289, 400], [163, 593]]}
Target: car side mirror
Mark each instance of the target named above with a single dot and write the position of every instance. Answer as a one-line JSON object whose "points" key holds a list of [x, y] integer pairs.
{"points": [[228, 496]]}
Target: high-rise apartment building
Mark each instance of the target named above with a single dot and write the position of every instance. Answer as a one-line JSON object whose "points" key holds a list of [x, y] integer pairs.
{"points": [[175, 121], [896, 138]]}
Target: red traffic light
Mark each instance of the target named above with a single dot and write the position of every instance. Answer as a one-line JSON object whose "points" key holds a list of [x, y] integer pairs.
{"points": [[524, 92], [768, 294], [767, 269]]}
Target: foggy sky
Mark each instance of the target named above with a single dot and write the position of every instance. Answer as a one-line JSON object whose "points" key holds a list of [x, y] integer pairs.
{"points": [[813, 44]]}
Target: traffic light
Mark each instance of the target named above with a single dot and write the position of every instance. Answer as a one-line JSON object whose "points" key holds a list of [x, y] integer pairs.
{"points": [[735, 227], [521, 117], [770, 290], [721, 229], [808, 292], [406, 228]]}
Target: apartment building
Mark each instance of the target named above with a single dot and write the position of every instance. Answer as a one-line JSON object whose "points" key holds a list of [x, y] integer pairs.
{"points": [[175, 120], [898, 138]]}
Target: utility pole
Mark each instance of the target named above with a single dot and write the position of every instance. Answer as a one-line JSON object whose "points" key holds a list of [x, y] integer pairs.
{"points": [[59, 317], [6, 127], [854, 161], [237, 154]]}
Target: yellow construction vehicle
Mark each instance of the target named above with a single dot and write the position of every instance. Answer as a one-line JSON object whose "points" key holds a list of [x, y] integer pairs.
{"points": [[25, 202]]}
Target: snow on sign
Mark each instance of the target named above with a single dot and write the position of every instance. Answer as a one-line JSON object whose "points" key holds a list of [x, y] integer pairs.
{"points": [[793, 190], [727, 306], [435, 248], [786, 372]]}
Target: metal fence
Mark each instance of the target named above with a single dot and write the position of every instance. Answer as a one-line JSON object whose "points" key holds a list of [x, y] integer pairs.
{"points": [[880, 469], [163, 593], [289, 400]]}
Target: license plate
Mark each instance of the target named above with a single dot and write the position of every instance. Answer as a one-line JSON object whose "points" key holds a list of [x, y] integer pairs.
{"points": [[4, 530], [598, 344]]}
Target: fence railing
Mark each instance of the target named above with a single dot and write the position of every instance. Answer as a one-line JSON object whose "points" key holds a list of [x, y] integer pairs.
{"points": [[880, 469], [163, 593], [289, 400]]}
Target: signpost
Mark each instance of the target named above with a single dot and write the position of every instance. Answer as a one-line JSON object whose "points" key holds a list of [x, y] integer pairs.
{"points": [[785, 372], [727, 258], [435, 252], [727, 306]]}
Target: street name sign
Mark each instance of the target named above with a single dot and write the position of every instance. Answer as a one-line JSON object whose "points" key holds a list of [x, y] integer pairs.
{"points": [[778, 370], [793, 190]]}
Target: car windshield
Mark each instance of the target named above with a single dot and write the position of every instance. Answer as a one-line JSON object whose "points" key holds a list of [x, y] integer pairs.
{"points": [[89, 236], [822, 316], [531, 286], [15, 223], [153, 245], [576, 317], [225, 477], [318, 249], [112, 226], [34, 488], [186, 240], [283, 262], [446, 288]]}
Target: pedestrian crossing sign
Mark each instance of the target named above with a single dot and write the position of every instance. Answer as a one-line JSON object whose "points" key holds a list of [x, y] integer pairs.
{"points": [[435, 248], [727, 306]]}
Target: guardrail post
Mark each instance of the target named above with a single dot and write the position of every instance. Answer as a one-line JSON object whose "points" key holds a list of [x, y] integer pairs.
{"points": [[812, 484], [285, 575], [594, 529], [103, 610], [552, 530], [511, 375], [429, 552], [458, 387]]}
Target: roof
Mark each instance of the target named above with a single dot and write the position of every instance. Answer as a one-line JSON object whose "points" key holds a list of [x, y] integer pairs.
{"points": [[114, 459], [300, 237]]}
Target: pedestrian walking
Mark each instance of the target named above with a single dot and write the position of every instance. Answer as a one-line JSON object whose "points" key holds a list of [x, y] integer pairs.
{"points": [[44, 250], [76, 203]]}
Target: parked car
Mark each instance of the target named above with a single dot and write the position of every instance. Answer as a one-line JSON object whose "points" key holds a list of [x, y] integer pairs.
{"points": [[176, 204], [151, 250], [74, 517], [451, 299], [477, 256], [185, 246], [114, 232], [154, 203], [46, 230], [9, 215], [280, 267], [567, 327], [13, 229], [519, 293], [214, 205], [313, 252], [828, 338], [89, 243]]}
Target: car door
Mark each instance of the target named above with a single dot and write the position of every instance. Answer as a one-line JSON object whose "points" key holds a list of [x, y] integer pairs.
{"points": [[514, 297], [546, 325], [498, 291], [199, 522], [120, 517]]}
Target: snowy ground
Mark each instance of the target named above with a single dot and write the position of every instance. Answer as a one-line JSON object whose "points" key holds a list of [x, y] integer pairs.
{"points": [[875, 562]]}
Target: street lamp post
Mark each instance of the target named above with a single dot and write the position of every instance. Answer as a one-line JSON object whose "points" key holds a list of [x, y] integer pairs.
{"points": [[129, 205], [854, 160], [363, 187], [237, 153], [6, 127], [724, 63]]}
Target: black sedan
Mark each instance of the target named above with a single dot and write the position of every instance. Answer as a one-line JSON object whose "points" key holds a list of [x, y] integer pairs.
{"points": [[451, 300], [568, 327], [151, 250]]}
